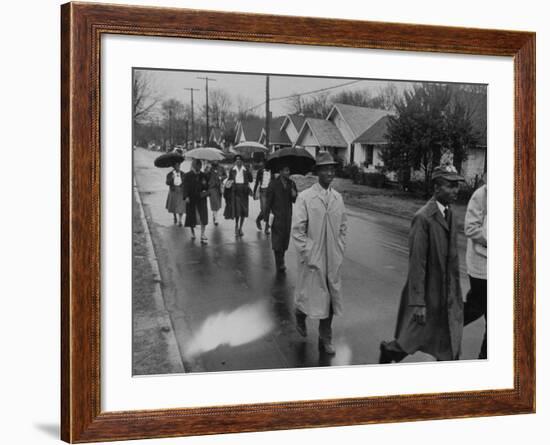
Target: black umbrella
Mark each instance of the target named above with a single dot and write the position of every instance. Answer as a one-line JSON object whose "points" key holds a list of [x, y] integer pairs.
{"points": [[299, 160], [169, 159]]}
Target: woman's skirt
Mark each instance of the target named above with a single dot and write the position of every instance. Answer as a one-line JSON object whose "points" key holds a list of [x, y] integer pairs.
{"points": [[197, 213], [175, 202], [240, 200], [215, 199]]}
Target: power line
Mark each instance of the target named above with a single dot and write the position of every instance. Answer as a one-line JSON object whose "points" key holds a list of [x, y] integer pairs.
{"points": [[305, 93]]}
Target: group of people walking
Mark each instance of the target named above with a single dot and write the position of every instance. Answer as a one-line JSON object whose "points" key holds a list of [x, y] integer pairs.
{"points": [[431, 315]]}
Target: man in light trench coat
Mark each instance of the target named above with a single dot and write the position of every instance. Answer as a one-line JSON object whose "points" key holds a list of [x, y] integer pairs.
{"points": [[430, 317], [319, 230]]}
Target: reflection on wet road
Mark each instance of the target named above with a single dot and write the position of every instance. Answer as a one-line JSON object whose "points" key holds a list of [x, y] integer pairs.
{"points": [[231, 311]]}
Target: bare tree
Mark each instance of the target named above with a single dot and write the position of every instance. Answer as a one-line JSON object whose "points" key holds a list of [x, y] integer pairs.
{"points": [[388, 97], [220, 106], [144, 100], [244, 108], [144, 95], [317, 105], [173, 114]]}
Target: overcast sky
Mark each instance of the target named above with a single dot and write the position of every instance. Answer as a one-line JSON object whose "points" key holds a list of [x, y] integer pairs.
{"points": [[171, 84]]}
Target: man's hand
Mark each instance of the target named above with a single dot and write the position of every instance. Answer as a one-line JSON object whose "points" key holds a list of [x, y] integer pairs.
{"points": [[187, 200], [419, 315]]}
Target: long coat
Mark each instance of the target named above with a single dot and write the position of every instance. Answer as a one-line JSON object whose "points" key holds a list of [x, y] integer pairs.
{"points": [[174, 201], [319, 229], [434, 282], [215, 179], [279, 202], [195, 187]]}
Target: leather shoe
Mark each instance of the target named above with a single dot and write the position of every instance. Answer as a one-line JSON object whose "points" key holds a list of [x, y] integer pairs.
{"points": [[327, 346], [389, 354]]}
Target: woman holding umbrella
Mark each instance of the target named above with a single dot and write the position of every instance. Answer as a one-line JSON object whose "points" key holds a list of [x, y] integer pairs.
{"points": [[195, 188], [175, 203], [281, 195], [240, 178], [215, 179]]}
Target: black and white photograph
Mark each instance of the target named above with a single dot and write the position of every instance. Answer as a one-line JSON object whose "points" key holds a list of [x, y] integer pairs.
{"points": [[285, 221]]}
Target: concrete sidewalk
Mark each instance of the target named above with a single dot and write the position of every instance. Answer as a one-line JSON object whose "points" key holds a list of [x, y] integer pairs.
{"points": [[154, 346]]}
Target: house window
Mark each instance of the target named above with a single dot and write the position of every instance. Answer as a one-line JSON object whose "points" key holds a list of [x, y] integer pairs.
{"points": [[369, 154]]}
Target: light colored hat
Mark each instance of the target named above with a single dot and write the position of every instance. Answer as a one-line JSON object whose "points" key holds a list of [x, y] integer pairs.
{"points": [[324, 158], [447, 171]]}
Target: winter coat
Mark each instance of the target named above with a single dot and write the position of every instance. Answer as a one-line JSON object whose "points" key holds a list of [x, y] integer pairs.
{"points": [[319, 229], [195, 187], [279, 202], [475, 228], [433, 282]]}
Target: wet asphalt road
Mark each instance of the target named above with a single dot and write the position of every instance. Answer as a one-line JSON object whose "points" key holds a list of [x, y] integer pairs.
{"points": [[231, 311]]}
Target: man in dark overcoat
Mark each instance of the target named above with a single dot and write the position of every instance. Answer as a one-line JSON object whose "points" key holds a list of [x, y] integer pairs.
{"points": [[281, 194], [430, 317]]}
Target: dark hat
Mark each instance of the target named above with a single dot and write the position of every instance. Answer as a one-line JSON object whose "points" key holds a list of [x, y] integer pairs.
{"points": [[324, 158], [447, 172], [238, 156]]}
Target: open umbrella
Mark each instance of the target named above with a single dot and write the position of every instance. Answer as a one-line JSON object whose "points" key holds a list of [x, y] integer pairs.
{"points": [[248, 148], [169, 159], [299, 160], [205, 153]]}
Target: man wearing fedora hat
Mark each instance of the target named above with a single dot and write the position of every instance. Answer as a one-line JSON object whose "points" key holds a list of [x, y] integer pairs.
{"points": [[430, 316], [319, 231]]}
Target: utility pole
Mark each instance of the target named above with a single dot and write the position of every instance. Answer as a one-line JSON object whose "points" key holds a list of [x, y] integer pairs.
{"points": [[207, 126], [267, 113], [192, 115]]}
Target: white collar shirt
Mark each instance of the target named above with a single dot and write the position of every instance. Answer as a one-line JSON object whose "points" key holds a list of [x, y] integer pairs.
{"points": [[239, 174], [441, 207], [266, 177]]}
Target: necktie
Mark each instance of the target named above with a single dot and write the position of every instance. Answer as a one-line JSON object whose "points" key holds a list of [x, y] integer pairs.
{"points": [[448, 215]]}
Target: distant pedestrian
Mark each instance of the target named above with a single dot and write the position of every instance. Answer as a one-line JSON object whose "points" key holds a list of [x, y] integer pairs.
{"points": [[475, 229], [280, 195], [430, 317], [263, 178], [240, 178], [196, 193], [319, 230], [215, 180], [175, 203]]}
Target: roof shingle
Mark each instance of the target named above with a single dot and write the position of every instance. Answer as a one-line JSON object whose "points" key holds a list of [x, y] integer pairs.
{"points": [[359, 119], [325, 132]]}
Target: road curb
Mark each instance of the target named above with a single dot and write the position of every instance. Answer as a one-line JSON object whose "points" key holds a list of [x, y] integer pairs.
{"points": [[161, 314]]}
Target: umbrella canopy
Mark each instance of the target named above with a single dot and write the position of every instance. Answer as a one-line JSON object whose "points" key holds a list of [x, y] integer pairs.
{"points": [[205, 153], [169, 159], [299, 160], [249, 147]]}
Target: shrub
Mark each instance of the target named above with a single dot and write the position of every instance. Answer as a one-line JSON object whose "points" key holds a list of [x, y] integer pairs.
{"points": [[377, 180]]}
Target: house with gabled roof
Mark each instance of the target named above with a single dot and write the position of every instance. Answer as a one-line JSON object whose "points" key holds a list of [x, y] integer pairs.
{"points": [[321, 135], [278, 138], [372, 142], [249, 130], [292, 124], [353, 121], [216, 138]]}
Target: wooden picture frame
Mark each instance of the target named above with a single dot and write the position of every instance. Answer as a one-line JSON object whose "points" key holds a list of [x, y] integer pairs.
{"points": [[82, 26]]}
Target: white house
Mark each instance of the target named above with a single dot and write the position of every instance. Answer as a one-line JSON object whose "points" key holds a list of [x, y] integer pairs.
{"points": [[248, 130], [321, 135], [292, 124], [372, 142], [352, 122], [278, 138]]}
